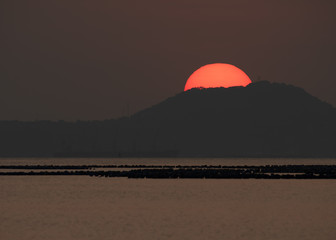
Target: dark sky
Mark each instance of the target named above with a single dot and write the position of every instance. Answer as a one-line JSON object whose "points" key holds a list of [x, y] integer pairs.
{"points": [[84, 59]]}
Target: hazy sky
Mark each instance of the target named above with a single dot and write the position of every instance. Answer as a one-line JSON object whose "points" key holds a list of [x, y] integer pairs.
{"points": [[84, 59]]}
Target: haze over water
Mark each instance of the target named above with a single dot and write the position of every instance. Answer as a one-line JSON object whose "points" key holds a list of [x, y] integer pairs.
{"points": [[82, 207], [167, 161]]}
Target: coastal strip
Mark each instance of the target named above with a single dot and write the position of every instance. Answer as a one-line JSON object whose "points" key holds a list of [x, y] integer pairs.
{"points": [[166, 172]]}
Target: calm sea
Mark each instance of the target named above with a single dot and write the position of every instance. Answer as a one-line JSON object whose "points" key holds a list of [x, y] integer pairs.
{"points": [[82, 207]]}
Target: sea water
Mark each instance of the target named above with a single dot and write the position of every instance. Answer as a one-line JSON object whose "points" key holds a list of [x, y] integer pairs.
{"points": [[83, 207]]}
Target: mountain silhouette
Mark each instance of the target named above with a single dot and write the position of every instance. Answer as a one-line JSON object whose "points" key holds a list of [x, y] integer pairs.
{"points": [[261, 120]]}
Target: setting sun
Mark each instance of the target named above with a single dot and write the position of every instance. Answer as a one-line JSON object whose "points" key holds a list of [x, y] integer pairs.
{"points": [[217, 75]]}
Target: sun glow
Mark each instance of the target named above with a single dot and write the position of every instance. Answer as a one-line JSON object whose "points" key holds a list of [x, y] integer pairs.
{"points": [[217, 75]]}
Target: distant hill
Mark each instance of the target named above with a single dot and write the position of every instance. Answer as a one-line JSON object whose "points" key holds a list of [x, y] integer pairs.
{"points": [[261, 120]]}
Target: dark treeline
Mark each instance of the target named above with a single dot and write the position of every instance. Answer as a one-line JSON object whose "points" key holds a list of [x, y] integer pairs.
{"points": [[261, 120], [259, 172], [264, 169]]}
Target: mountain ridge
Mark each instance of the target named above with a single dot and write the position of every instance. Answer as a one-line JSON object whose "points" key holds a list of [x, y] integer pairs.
{"points": [[262, 119]]}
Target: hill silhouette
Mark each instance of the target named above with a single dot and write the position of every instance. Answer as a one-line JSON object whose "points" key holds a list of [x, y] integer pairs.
{"points": [[261, 120]]}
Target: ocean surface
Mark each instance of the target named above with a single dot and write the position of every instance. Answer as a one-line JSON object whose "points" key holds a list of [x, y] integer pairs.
{"points": [[83, 207]]}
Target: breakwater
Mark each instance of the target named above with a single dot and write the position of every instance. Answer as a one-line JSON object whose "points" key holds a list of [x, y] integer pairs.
{"points": [[176, 171]]}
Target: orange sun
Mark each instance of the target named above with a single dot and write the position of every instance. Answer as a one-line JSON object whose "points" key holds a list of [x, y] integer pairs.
{"points": [[217, 75]]}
